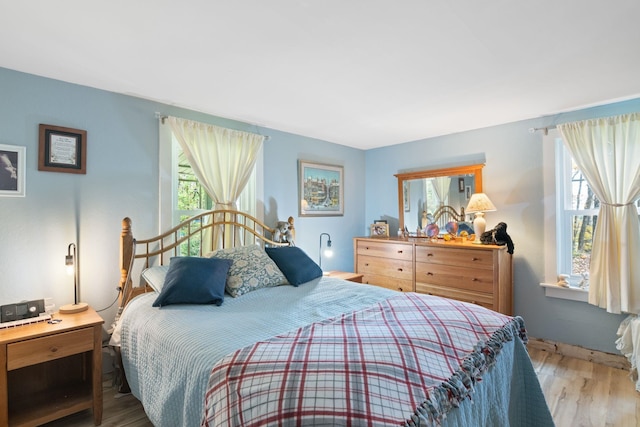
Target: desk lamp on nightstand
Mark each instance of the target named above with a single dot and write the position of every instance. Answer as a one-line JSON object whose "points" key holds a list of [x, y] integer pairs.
{"points": [[328, 252], [72, 263], [479, 204]]}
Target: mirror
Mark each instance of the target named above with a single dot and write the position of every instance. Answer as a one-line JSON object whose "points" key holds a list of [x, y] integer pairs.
{"points": [[422, 193]]}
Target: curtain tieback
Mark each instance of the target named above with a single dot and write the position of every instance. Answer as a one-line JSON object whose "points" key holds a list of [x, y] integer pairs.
{"points": [[617, 205]]}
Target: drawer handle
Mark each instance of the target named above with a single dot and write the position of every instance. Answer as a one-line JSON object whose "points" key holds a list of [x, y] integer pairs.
{"points": [[400, 269], [474, 302], [429, 254], [400, 289], [53, 349], [399, 252], [429, 274], [475, 279], [366, 264], [475, 259]]}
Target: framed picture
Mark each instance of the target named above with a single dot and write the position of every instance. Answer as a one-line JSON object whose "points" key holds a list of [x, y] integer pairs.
{"points": [[467, 191], [406, 194], [62, 150], [12, 170], [321, 189], [379, 229], [461, 185]]}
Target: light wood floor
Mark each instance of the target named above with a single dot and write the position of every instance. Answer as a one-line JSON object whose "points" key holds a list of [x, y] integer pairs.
{"points": [[579, 394]]}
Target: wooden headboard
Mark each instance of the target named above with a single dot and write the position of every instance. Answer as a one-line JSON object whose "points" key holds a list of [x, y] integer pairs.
{"points": [[445, 214], [196, 236]]}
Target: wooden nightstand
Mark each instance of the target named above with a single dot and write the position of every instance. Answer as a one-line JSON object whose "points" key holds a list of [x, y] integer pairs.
{"points": [[352, 277], [50, 371]]}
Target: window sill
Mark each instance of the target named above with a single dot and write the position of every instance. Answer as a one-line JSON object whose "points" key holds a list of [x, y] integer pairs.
{"points": [[571, 293]]}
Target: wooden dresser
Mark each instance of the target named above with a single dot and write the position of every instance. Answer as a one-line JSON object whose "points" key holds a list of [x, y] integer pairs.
{"points": [[480, 274]]}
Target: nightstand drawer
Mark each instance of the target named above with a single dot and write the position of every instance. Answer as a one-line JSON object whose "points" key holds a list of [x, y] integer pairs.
{"points": [[38, 350]]}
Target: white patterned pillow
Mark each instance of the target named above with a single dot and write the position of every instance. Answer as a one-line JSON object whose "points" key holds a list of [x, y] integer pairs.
{"points": [[251, 269]]}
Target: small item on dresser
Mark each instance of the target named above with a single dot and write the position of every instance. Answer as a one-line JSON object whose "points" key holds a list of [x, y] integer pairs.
{"points": [[498, 236]]}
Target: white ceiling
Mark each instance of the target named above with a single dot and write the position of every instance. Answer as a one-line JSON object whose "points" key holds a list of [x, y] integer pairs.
{"points": [[363, 73]]}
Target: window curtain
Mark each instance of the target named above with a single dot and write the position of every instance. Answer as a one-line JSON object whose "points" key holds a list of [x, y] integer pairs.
{"points": [[441, 186], [607, 151], [222, 160]]}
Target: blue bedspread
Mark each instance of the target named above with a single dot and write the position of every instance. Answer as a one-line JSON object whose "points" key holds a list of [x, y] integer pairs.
{"points": [[168, 353]]}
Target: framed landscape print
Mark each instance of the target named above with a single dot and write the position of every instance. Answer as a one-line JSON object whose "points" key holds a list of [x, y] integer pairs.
{"points": [[62, 149], [320, 189], [12, 170]]}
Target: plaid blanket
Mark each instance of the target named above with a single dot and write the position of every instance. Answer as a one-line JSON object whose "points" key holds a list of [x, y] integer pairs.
{"points": [[407, 360]]}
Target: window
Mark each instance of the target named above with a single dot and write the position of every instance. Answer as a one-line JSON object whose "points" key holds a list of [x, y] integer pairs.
{"points": [[577, 215]]}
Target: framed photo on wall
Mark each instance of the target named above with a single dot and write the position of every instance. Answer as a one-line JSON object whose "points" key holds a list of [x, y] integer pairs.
{"points": [[12, 170], [321, 189], [62, 149]]}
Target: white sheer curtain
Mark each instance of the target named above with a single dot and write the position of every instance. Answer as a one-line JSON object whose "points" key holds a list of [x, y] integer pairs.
{"points": [[222, 160], [607, 151], [441, 186]]}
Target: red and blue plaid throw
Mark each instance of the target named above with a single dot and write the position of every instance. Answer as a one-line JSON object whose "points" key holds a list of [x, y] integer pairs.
{"points": [[404, 361]]}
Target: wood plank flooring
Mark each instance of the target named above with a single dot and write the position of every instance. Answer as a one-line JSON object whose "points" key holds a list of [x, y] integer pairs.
{"points": [[579, 394]]}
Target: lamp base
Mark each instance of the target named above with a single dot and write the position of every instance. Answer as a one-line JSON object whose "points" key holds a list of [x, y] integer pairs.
{"points": [[73, 308], [479, 225]]}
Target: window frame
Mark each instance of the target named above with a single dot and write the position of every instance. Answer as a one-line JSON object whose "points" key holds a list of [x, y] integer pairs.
{"points": [[557, 249]]}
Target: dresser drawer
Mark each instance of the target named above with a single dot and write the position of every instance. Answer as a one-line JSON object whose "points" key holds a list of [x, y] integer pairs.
{"points": [[485, 300], [38, 350], [473, 258], [388, 282], [384, 249], [479, 280], [399, 269]]}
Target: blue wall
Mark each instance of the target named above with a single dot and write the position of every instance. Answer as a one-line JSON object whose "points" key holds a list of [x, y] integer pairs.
{"points": [[122, 180]]}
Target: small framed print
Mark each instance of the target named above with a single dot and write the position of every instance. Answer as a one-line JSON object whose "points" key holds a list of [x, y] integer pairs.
{"points": [[12, 170], [461, 185], [380, 229], [467, 190], [62, 149]]}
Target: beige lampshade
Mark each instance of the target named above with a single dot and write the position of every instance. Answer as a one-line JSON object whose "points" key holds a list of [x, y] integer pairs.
{"points": [[480, 203]]}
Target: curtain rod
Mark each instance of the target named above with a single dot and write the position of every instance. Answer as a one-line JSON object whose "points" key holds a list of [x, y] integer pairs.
{"points": [[545, 129], [162, 118]]}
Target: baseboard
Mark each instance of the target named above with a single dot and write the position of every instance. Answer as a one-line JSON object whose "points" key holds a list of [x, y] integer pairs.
{"points": [[612, 360]]}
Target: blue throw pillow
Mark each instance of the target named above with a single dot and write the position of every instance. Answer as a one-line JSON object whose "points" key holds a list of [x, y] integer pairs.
{"points": [[193, 280], [296, 266]]}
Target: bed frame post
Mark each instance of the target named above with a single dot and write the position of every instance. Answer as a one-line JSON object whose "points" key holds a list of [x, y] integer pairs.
{"points": [[126, 252]]}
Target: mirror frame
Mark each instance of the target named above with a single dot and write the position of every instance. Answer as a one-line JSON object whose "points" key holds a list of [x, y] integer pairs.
{"points": [[476, 170]]}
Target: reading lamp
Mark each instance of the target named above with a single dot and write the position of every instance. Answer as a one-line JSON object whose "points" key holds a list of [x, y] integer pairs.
{"points": [[479, 204], [71, 261], [328, 252]]}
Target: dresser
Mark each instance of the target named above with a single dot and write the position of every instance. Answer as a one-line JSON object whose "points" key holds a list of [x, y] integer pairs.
{"points": [[480, 274]]}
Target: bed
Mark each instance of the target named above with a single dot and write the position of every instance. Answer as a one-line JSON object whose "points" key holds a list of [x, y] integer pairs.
{"points": [[306, 349]]}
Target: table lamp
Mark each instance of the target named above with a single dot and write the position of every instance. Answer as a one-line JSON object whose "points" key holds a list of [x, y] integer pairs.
{"points": [[479, 204], [72, 263]]}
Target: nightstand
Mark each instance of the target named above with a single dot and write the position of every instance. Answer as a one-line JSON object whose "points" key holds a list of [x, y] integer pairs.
{"points": [[50, 371], [352, 277]]}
